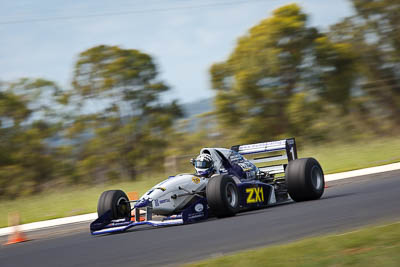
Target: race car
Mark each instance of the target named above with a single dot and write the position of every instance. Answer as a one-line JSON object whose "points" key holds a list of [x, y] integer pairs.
{"points": [[226, 181]]}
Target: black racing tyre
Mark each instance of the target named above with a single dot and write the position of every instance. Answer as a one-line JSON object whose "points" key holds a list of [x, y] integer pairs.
{"points": [[117, 202], [305, 179], [222, 196]]}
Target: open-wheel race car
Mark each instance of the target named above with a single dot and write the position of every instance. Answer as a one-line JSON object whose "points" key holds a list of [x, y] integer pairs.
{"points": [[225, 183]]}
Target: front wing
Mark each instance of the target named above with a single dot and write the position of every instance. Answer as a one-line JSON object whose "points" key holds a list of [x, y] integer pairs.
{"points": [[104, 224]]}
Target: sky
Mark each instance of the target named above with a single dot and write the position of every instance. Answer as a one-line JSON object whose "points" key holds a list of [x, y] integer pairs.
{"points": [[185, 37]]}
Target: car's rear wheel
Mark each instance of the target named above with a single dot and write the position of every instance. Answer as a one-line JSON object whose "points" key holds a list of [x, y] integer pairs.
{"points": [[115, 201], [222, 196], [305, 179]]}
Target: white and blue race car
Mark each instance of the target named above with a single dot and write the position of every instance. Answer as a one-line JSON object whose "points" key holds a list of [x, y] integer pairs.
{"points": [[237, 184]]}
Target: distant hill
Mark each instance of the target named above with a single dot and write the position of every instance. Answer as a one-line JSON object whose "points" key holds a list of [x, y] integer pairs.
{"points": [[190, 110], [194, 108]]}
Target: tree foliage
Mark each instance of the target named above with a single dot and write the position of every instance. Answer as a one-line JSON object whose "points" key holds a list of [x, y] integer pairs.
{"points": [[287, 78], [381, 53], [27, 120], [130, 131], [264, 72]]}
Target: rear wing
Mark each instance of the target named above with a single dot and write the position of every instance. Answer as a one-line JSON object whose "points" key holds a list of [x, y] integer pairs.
{"points": [[287, 145]]}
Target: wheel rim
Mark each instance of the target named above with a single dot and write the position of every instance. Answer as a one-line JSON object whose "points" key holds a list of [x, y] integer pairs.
{"points": [[231, 194], [316, 177], [122, 206]]}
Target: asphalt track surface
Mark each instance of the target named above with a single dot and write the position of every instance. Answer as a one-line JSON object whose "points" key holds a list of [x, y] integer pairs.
{"points": [[346, 204]]}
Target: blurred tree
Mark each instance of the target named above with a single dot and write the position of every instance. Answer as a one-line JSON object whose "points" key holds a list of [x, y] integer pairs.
{"points": [[268, 66], [120, 90], [42, 97], [373, 37], [284, 78], [28, 118], [383, 22], [337, 71], [13, 110], [380, 28]]}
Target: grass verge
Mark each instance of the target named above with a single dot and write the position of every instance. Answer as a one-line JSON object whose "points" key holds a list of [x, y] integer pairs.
{"points": [[334, 157], [370, 246], [340, 157], [65, 202]]}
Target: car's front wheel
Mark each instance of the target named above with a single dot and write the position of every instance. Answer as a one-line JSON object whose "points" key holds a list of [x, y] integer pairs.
{"points": [[115, 201], [222, 196]]}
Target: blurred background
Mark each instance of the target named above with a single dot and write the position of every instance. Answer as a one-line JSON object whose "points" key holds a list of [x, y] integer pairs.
{"points": [[96, 95]]}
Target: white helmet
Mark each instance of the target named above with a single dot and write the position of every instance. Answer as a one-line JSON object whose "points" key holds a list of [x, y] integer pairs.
{"points": [[204, 164]]}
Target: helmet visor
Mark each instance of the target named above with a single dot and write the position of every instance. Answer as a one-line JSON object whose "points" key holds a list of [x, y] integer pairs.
{"points": [[202, 164]]}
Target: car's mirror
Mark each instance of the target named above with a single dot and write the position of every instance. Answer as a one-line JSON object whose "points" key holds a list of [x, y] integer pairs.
{"points": [[192, 161]]}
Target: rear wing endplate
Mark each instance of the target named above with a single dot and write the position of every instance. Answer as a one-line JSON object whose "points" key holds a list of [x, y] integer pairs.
{"points": [[287, 145]]}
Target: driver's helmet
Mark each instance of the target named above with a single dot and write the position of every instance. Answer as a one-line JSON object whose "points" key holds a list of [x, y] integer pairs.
{"points": [[204, 164]]}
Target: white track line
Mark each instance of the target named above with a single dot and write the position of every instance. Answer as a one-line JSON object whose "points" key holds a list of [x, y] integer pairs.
{"points": [[50, 223], [361, 172], [92, 216]]}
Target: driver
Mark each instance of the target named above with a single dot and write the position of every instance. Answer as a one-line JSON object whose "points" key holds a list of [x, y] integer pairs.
{"points": [[204, 165]]}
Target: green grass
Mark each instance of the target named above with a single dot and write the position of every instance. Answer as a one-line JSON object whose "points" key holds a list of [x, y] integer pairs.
{"points": [[65, 202], [370, 246], [339, 157], [335, 157]]}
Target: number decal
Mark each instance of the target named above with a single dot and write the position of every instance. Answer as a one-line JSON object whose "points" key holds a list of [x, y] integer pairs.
{"points": [[292, 151], [250, 198], [256, 194]]}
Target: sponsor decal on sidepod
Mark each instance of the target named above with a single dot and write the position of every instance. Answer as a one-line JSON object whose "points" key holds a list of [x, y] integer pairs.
{"points": [[199, 207]]}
